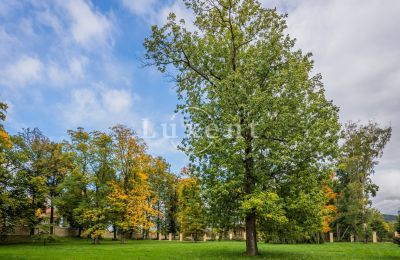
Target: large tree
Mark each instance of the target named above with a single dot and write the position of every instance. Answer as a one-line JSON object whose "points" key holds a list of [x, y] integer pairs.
{"points": [[256, 114], [363, 146], [74, 193], [131, 199], [83, 195], [56, 166], [29, 156]]}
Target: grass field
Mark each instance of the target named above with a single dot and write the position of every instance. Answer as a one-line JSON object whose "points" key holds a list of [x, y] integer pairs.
{"points": [[82, 249]]}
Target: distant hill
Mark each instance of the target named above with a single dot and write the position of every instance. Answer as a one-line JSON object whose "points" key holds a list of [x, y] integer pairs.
{"points": [[390, 218]]}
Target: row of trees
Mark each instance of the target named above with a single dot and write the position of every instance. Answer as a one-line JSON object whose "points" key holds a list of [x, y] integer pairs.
{"points": [[100, 180], [91, 182]]}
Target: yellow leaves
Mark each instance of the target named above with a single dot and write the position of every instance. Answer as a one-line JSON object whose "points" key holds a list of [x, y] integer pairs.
{"points": [[329, 215], [329, 210], [329, 193], [386, 226], [187, 182], [134, 205], [141, 176], [5, 140], [38, 213], [94, 232]]}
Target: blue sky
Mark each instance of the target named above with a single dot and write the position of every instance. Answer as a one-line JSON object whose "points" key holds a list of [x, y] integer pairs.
{"points": [[70, 63], [66, 64]]}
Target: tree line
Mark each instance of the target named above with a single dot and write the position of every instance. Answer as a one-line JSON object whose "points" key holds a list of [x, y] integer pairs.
{"points": [[96, 181], [91, 182]]}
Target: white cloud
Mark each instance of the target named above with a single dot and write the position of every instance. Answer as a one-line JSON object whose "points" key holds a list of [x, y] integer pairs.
{"points": [[98, 106], [57, 75], [156, 12], [24, 71], [6, 7], [7, 41], [160, 138], [77, 66], [140, 7], [388, 199], [28, 70], [163, 146], [116, 100], [89, 27], [76, 27], [51, 20]]}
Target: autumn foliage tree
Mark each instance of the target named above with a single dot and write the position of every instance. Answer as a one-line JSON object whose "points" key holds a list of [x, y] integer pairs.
{"points": [[130, 198]]}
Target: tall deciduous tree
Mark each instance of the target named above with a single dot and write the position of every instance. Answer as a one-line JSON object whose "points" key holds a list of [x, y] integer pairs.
{"points": [[55, 166], [30, 154], [240, 79], [89, 182], [363, 146], [75, 197], [130, 198], [70, 196]]}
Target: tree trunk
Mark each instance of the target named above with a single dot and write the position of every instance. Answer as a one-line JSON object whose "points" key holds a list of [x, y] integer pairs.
{"points": [[115, 232], [52, 220], [251, 235], [158, 220], [338, 232], [33, 207], [79, 231]]}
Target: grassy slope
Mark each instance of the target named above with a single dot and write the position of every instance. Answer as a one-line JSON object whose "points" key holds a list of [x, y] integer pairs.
{"points": [[82, 249]]}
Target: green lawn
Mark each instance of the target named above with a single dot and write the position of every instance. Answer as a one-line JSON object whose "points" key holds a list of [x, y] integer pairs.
{"points": [[82, 249]]}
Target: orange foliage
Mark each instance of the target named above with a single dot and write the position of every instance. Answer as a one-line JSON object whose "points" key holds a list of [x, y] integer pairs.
{"points": [[329, 210]]}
